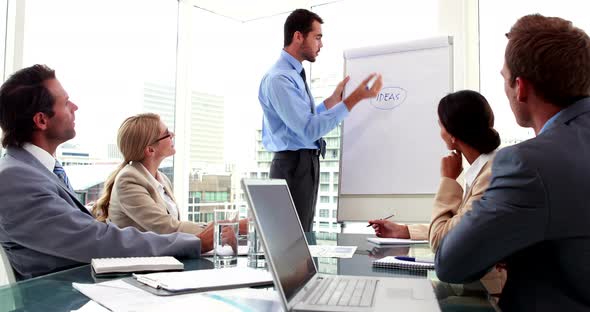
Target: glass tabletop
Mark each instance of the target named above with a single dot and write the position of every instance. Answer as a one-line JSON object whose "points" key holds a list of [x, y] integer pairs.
{"points": [[54, 292]]}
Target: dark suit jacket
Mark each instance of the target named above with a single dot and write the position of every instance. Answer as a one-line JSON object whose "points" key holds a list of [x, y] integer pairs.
{"points": [[534, 216], [44, 228]]}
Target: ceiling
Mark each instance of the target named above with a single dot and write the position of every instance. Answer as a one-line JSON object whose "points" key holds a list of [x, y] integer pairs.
{"points": [[248, 10]]}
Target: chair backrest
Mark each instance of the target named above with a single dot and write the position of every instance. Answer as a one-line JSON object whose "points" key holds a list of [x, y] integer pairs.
{"points": [[6, 272]]}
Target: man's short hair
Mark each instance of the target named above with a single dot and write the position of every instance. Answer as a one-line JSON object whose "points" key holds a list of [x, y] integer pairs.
{"points": [[553, 55], [300, 20], [21, 97]]}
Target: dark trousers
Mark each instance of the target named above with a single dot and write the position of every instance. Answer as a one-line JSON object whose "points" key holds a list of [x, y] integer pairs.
{"points": [[301, 169]]}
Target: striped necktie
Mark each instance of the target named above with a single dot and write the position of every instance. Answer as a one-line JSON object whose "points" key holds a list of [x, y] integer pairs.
{"points": [[321, 142], [61, 174]]}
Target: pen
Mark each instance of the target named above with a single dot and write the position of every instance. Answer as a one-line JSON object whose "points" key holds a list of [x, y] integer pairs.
{"points": [[391, 215], [149, 281], [413, 259]]}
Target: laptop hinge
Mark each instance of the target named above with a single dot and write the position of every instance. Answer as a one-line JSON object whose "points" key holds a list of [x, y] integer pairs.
{"points": [[308, 290]]}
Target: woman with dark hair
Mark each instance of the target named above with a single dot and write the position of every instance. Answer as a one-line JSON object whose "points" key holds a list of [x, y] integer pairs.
{"points": [[466, 125]]}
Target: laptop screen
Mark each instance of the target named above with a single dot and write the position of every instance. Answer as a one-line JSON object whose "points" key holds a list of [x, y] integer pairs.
{"points": [[286, 245]]}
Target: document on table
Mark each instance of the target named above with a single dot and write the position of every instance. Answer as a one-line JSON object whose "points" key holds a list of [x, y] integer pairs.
{"points": [[91, 306], [331, 251], [117, 295]]}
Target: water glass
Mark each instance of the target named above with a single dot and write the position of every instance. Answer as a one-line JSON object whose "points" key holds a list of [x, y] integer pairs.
{"points": [[225, 245], [255, 249]]}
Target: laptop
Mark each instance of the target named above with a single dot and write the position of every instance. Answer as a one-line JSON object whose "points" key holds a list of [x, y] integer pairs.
{"points": [[295, 275]]}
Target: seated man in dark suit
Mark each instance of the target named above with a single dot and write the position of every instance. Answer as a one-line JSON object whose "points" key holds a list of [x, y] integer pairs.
{"points": [[43, 227], [534, 216]]}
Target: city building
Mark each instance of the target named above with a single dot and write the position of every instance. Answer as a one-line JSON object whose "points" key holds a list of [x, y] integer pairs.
{"points": [[326, 207]]}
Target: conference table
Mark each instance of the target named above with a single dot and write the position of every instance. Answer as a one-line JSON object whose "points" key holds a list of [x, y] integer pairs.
{"points": [[54, 292]]}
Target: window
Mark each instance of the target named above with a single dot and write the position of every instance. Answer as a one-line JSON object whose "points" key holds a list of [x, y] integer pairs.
{"points": [[324, 177], [3, 12], [324, 213], [494, 23], [3, 21], [335, 198], [324, 225], [324, 199], [324, 187], [111, 70], [225, 133], [334, 213]]}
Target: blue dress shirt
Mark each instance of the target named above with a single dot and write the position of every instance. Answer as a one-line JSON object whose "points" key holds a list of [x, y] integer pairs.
{"points": [[549, 122], [289, 123]]}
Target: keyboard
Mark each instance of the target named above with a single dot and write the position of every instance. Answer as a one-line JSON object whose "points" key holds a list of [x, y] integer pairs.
{"points": [[352, 292]]}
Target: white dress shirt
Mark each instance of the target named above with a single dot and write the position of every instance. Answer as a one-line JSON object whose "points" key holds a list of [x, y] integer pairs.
{"points": [[475, 168], [46, 159], [157, 183]]}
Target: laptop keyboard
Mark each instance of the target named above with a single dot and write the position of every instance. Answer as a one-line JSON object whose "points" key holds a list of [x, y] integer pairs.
{"points": [[344, 292]]}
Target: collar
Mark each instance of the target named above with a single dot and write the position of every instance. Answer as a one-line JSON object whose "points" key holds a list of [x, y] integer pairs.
{"points": [[153, 181], [292, 61], [46, 159], [550, 121], [473, 171], [567, 114]]}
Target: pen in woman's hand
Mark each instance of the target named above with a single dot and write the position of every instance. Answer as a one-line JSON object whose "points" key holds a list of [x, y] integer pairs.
{"points": [[391, 215]]}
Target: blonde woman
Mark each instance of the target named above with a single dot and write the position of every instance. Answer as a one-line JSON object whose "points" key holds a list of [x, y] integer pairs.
{"points": [[137, 194]]}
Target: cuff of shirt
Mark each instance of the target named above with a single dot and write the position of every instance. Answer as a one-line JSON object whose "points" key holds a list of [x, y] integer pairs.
{"points": [[340, 110], [418, 231]]}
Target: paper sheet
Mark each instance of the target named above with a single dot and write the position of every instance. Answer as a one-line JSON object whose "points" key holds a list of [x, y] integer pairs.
{"points": [[330, 251], [118, 295], [91, 306]]}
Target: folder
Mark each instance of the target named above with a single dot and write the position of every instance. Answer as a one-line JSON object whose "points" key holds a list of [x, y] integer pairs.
{"points": [[174, 283]]}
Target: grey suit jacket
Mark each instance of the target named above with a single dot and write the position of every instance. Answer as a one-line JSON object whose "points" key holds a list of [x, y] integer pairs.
{"points": [[44, 228], [535, 217]]}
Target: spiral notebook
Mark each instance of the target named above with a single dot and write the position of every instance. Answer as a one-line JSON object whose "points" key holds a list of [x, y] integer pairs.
{"points": [[392, 262]]}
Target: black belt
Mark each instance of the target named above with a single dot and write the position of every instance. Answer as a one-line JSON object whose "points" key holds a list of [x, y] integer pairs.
{"points": [[289, 154]]}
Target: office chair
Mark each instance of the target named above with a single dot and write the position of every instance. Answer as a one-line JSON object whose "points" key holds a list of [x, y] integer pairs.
{"points": [[6, 272]]}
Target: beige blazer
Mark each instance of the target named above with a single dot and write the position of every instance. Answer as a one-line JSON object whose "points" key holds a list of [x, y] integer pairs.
{"points": [[449, 207], [136, 202]]}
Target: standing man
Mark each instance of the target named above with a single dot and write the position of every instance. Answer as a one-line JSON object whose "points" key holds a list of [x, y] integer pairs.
{"points": [[535, 216], [43, 226], [293, 125]]}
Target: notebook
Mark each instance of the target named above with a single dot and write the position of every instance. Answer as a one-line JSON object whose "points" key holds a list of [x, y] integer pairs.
{"points": [[393, 262], [173, 283], [300, 286], [394, 241], [135, 264]]}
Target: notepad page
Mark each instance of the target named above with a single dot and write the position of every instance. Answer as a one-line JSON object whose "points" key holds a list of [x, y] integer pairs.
{"points": [[395, 241], [135, 264], [392, 262]]}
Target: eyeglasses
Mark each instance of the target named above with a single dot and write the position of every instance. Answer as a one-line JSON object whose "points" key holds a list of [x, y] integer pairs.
{"points": [[166, 135]]}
